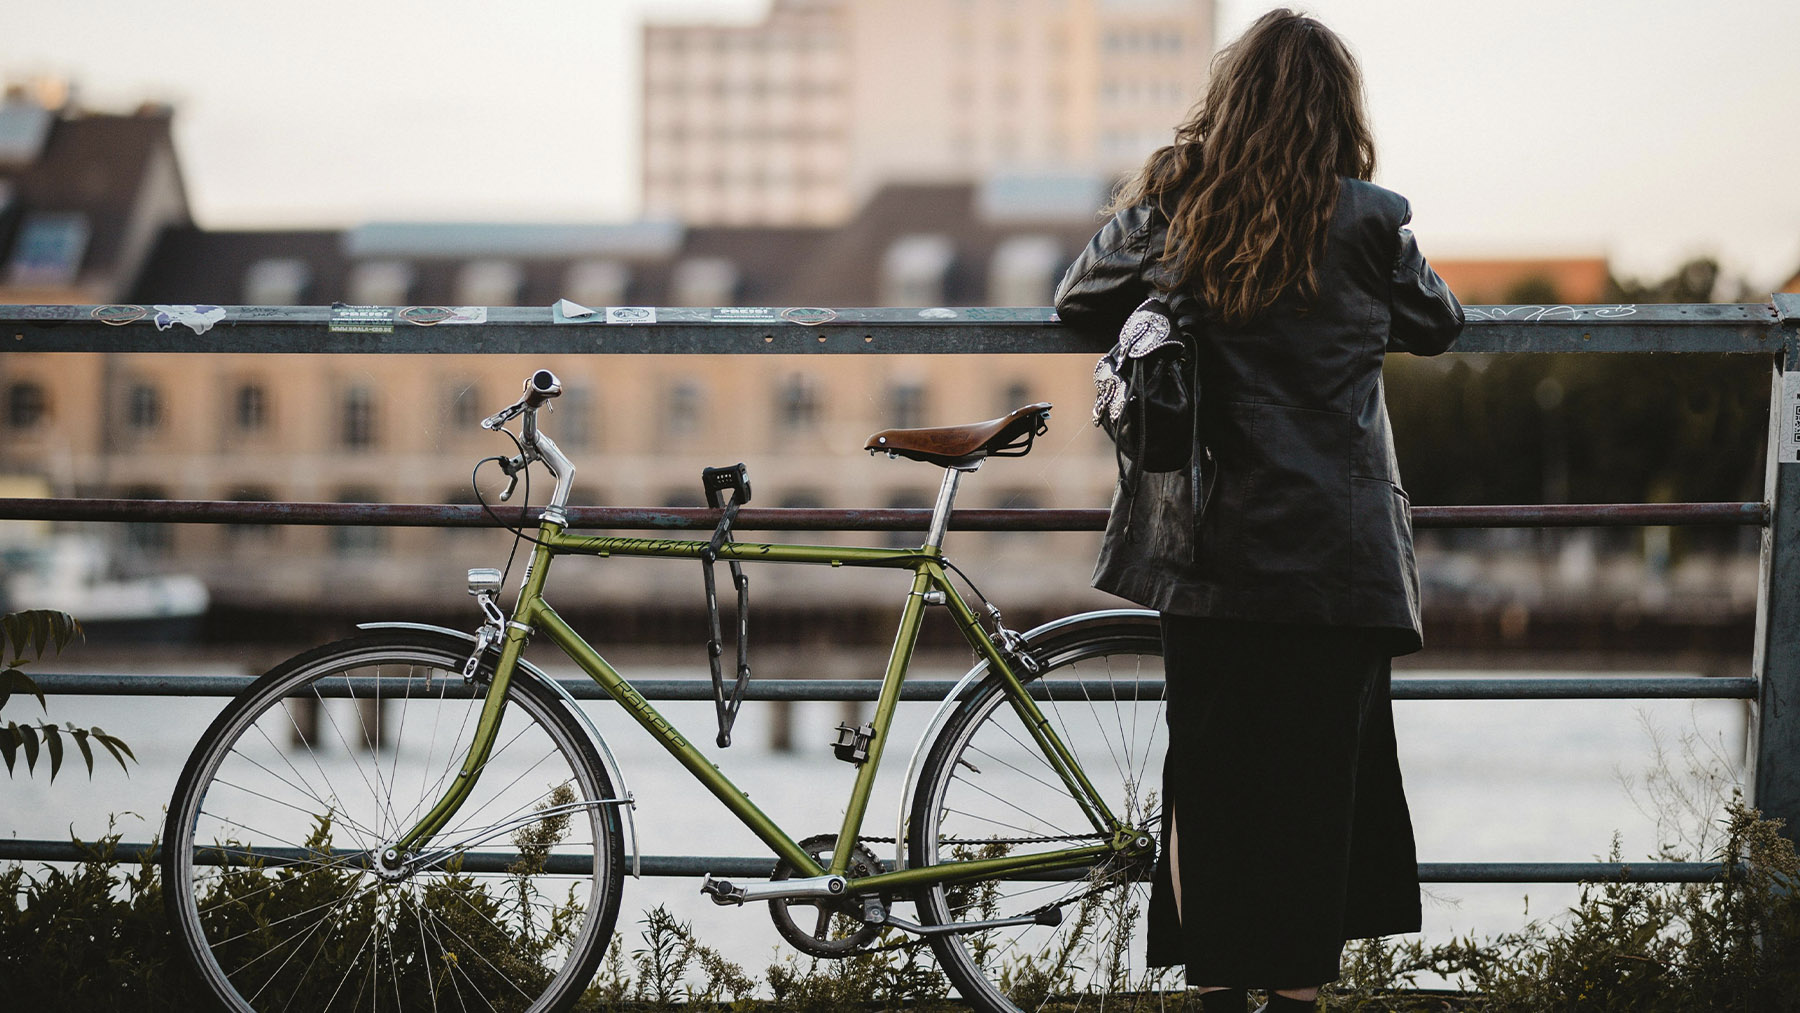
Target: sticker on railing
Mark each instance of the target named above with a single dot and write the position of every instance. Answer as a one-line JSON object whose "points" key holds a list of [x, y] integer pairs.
{"points": [[198, 319], [1788, 451], [361, 319], [431, 316]]}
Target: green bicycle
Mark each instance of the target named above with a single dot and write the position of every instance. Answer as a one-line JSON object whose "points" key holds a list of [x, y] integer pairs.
{"points": [[419, 818]]}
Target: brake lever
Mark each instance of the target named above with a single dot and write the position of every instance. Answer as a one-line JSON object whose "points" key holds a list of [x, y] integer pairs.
{"points": [[504, 415], [512, 483]]}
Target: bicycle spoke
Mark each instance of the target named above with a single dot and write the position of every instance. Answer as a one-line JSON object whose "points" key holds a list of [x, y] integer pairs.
{"points": [[1012, 805], [329, 931]]}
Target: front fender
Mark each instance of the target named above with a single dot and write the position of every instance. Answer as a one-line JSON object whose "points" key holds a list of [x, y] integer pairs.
{"points": [[606, 757], [1056, 627]]}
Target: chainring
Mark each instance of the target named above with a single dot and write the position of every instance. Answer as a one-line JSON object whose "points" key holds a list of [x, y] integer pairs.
{"points": [[833, 927]]}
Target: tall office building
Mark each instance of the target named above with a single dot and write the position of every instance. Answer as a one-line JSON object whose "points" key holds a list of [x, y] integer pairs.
{"points": [[798, 118]]}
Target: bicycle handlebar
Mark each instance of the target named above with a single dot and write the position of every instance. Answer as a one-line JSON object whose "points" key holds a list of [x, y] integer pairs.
{"points": [[540, 387]]}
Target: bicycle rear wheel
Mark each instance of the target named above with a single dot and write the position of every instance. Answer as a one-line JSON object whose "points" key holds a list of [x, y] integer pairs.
{"points": [[987, 790], [269, 851]]}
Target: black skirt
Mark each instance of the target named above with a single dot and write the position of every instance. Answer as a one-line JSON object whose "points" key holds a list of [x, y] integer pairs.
{"points": [[1282, 776]]}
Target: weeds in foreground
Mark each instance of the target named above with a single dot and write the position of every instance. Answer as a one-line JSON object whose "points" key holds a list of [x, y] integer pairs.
{"points": [[92, 937], [1733, 945]]}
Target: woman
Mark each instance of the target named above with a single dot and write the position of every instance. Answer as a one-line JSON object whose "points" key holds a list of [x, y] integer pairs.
{"points": [[1286, 595]]}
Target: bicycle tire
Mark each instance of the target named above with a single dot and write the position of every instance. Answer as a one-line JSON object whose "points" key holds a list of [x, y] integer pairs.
{"points": [[272, 915], [986, 789]]}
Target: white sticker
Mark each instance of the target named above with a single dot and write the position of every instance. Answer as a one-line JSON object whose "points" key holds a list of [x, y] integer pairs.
{"points": [[199, 318], [1788, 451], [631, 314], [573, 310]]}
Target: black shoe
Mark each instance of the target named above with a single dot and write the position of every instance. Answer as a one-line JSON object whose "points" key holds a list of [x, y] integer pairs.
{"points": [[1224, 1000]]}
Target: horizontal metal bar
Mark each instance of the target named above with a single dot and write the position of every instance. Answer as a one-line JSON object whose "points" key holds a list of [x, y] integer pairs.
{"points": [[1560, 515], [16, 850], [1702, 327], [1586, 687]]}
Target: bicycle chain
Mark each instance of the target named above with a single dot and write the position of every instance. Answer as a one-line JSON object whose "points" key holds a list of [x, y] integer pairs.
{"points": [[1034, 912]]}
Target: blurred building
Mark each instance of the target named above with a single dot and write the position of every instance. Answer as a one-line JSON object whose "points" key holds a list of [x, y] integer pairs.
{"points": [[83, 196], [403, 428], [801, 117], [94, 212]]}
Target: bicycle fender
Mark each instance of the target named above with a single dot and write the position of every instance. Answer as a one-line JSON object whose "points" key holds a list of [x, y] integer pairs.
{"points": [[606, 757], [971, 679]]}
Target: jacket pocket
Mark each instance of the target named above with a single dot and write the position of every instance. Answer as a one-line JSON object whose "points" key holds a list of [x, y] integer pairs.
{"points": [[1281, 510], [1383, 549]]}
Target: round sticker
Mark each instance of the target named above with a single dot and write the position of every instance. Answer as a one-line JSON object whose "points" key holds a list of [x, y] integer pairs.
{"points": [[808, 316], [119, 314], [425, 316]]}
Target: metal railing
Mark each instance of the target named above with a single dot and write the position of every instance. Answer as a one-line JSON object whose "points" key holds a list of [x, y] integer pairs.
{"points": [[1768, 330]]}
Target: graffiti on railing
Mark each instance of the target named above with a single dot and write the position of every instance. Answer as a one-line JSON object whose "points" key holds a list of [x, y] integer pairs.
{"points": [[1558, 312]]}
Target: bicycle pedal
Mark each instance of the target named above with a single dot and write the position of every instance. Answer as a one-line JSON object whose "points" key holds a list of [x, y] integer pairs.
{"points": [[1051, 917], [722, 891]]}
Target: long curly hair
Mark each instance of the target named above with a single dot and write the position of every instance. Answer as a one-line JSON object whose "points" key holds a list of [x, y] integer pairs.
{"points": [[1251, 181]]}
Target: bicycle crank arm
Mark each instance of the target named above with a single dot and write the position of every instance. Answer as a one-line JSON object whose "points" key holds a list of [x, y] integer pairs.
{"points": [[1051, 918], [726, 893]]}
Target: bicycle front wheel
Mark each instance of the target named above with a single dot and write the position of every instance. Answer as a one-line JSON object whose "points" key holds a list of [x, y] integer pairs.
{"points": [[988, 790], [271, 851]]}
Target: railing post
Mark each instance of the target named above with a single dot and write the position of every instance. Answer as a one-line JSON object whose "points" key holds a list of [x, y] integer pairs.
{"points": [[1776, 730]]}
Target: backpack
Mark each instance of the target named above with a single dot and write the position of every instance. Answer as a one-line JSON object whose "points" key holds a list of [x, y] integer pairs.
{"points": [[1145, 394]]}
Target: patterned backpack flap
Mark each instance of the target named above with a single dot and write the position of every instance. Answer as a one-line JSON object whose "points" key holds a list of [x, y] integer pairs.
{"points": [[1142, 394]]}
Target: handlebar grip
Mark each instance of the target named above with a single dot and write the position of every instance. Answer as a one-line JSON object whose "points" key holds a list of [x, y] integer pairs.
{"points": [[541, 386]]}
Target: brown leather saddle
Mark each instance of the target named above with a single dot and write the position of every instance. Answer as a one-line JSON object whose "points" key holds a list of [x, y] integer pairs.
{"points": [[965, 447]]}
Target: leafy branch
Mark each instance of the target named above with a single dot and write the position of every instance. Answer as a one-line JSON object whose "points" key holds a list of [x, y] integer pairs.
{"points": [[32, 632]]}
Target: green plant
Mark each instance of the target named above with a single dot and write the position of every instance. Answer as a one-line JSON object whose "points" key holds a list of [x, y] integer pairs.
{"points": [[1730, 945], [33, 630]]}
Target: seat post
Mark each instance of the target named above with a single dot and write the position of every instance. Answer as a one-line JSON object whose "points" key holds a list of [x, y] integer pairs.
{"points": [[940, 513]]}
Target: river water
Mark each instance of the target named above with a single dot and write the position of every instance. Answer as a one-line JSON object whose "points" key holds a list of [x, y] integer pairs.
{"points": [[1529, 781]]}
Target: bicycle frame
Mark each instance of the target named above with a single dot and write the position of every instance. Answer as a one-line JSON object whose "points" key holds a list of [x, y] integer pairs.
{"points": [[930, 584]]}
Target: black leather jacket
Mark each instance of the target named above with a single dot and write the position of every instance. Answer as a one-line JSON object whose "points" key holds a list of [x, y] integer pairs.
{"points": [[1304, 519]]}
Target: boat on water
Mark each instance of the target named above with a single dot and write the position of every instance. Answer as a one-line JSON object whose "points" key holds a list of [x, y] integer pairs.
{"points": [[83, 576]]}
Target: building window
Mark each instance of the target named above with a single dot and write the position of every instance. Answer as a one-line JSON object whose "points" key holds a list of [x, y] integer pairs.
{"points": [[909, 500], [597, 282], [1024, 270], [802, 499], [26, 404], [49, 249], [357, 423], [380, 283], [1016, 394], [355, 539], [143, 406], [243, 533], [572, 421], [463, 406], [148, 538], [914, 269], [906, 405], [705, 281], [1017, 499], [462, 495], [489, 283], [277, 281], [682, 409], [797, 404], [250, 407]]}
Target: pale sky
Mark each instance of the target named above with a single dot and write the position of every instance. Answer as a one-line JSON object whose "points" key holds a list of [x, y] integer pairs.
{"points": [[1646, 130]]}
